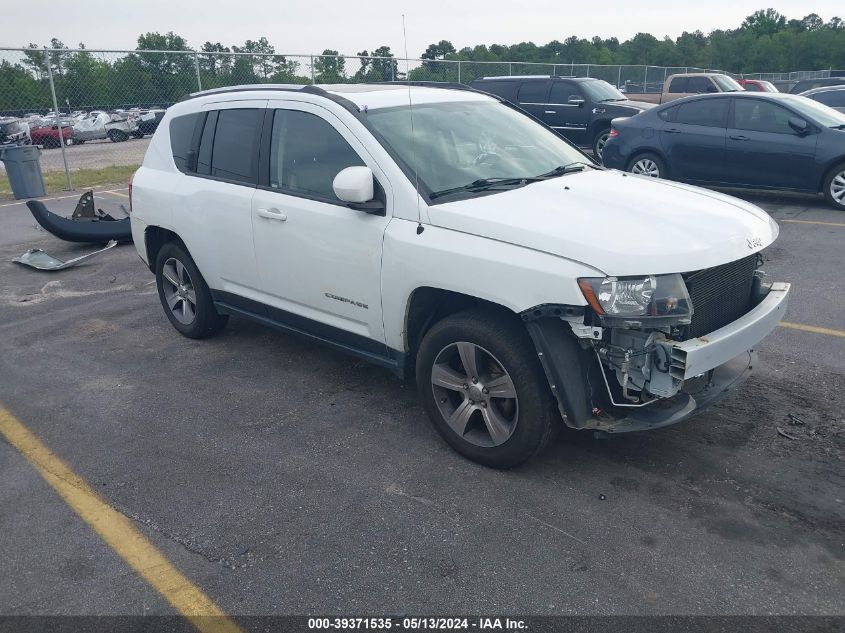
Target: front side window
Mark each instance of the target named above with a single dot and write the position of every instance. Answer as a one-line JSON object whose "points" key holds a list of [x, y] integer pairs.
{"points": [[832, 98], [306, 153], [563, 91], [709, 112], [761, 116], [457, 143], [700, 85]]}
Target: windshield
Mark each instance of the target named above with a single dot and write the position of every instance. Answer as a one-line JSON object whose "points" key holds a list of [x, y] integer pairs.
{"points": [[818, 112], [600, 91], [458, 143], [726, 84]]}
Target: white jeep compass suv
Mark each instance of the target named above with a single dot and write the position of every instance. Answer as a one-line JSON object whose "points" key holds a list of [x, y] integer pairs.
{"points": [[447, 235]]}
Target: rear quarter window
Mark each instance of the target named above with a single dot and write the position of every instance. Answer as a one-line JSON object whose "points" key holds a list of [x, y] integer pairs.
{"points": [[181, 139], [678, 85]]}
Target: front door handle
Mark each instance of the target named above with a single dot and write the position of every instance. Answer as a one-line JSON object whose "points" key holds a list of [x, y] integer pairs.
{"points": [[740, 138], [272, 214], [549, 111]]}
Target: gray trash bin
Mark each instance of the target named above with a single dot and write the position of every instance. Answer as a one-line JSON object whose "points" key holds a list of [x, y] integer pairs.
{"points": [[24, 170]]}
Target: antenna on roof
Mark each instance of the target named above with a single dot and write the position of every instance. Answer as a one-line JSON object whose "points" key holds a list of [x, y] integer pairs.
{"points": [[420, 228]]}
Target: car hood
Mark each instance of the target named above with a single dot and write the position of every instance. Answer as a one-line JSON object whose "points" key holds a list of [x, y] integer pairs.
{"points": [[617, 223]]}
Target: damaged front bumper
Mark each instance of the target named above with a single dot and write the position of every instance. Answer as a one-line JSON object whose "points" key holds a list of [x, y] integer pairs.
{"points": [[690, 376]]}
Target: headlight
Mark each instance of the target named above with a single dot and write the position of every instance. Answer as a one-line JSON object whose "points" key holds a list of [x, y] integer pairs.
{"points": [[639, 297]]}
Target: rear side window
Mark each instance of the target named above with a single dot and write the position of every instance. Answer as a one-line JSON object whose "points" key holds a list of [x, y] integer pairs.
{"points": [[181, 139], [678, 85], [306, 153], [234, 151], [705, 112], [504, 89], [532, 91], [832, 98]]}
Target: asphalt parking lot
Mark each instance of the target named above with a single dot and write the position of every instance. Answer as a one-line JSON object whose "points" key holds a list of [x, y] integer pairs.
{"points": [[283, 478]]}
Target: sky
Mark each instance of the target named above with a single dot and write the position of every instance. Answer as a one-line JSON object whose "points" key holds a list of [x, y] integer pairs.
{"points": [[303, 27]]}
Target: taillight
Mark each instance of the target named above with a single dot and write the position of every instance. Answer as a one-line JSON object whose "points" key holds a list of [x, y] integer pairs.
{"points": [[131, 178], [613, 132]]}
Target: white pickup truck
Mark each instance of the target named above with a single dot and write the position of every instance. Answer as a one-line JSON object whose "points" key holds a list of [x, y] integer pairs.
{"points": [[447, 236]]}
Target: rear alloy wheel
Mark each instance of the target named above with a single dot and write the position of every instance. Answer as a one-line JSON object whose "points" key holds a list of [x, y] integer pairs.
{"points": [[600, 142], [834, 187], [483, 388], [647, 165], [184, 295]]}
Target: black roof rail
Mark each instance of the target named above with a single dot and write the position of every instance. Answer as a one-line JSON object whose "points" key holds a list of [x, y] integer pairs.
{"points": [[308, 88]]}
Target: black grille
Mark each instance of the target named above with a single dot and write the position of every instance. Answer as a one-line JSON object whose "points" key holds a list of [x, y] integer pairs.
{"points": [[720, 294]]}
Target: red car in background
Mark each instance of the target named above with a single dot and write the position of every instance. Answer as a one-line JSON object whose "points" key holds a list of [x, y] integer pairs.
{"points": [[47, 134], [756, 85]]}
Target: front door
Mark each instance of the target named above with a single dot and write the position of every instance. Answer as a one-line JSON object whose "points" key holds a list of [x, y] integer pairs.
{"points": [[567, 111], [319, 261], [764, 151]]}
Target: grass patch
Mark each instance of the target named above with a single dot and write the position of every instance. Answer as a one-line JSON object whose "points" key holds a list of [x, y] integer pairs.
{"points": [[54, 181]]}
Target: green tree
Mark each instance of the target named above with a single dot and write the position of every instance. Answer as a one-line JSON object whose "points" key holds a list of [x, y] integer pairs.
{"points": [[329, 68]]}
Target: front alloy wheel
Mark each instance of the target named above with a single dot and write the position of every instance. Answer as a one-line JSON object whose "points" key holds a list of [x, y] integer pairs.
{"points": [[474, 394]]}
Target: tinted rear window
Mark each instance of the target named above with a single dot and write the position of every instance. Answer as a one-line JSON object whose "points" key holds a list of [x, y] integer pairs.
{"points": [[532, 91], [235, 149], [678, 85], [504, 89], [706, 112], [181, 136]]}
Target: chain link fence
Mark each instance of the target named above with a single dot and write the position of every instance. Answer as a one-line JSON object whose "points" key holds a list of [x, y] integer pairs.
{"points": [[93, 111]]}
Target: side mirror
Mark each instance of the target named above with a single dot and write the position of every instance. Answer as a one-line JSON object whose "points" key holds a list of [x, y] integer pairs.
{"points": [[576, 100], [800, 126], [712, 88], [356, 187]]}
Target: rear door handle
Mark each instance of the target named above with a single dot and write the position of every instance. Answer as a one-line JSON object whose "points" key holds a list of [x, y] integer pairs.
{"points": [[740, 138], [672, 130], [549, 111], [272, 214]]}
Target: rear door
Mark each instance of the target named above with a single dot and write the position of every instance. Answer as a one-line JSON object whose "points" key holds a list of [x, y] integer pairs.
{"points": [[764, 151], [532, 96], [213, 208], [693, 139], [567, 111]]}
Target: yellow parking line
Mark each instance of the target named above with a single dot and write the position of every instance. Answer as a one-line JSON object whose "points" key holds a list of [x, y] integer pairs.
{"points": [[814, 222], [813, 328], [118, 532]]}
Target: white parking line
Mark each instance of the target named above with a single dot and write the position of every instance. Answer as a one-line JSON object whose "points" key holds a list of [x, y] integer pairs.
{"points": [[114, 191]]}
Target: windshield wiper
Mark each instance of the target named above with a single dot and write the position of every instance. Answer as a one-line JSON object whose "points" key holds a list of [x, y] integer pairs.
{"points": [[484, 184], [610, 99], [569, 168], [841, 126]]}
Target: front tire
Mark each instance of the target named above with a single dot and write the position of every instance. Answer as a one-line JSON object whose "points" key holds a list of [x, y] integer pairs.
{"points": [[483, 388], [648, 164], [834, 187], [184, 294]]}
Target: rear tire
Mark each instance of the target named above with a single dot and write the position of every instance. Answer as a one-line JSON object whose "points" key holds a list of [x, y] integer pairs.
{"points": [[599, 142], [184, 295], [483, 388], [834, 187], [648, 164]]}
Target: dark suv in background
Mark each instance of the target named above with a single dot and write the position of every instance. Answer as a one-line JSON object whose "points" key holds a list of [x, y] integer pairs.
{"points": [[579, 108]]}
